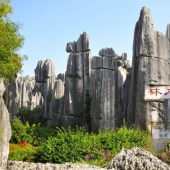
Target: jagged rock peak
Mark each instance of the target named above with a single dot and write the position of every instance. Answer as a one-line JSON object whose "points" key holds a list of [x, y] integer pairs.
{"points": [[81, 45], [145, 19], [125, 61], [107, 52], [44, 70], [71, 47], [145, 15]]}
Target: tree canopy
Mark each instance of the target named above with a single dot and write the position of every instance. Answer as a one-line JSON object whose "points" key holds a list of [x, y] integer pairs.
{"points": [[10, 42]]}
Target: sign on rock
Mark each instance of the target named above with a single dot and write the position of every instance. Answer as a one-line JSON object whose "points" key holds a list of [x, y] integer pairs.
{"points": [[157, 92]]}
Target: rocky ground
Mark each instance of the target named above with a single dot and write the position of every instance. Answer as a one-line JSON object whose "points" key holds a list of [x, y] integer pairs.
{"points": [[132, 159]]}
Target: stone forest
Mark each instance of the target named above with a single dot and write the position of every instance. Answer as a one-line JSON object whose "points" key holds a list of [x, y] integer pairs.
{"points": [[137, 93]]}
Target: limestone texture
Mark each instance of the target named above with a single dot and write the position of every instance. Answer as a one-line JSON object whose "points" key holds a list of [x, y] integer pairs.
{"points": [[107, 92], [77, 78], [136, 159], [150, 66], [18, 165], [5, 130]]}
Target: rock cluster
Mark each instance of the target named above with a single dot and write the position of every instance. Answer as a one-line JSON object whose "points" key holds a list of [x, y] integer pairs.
{"points": [[23, 93]]}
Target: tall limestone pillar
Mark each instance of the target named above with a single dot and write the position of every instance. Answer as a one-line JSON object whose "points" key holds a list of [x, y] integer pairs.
{"points": [[5, 130], [76, 81], [150, 74], [107, 89]]}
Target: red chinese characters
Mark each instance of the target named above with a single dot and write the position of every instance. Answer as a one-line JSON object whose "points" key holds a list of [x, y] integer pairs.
{"points": [[154, 91], [168, 92], [157, 91]]}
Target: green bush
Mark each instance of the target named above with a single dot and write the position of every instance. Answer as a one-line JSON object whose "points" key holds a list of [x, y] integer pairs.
{"points": [[19, 132], [22, 152], [32, 116], [34, 134], [97, 149]]}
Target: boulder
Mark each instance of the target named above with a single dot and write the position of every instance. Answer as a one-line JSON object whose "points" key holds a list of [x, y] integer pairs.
{"points": [[136, 159]]}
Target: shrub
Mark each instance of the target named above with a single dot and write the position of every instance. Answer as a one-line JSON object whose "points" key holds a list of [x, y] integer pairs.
{"points": [[34, 134], [32, 116], [19, 132], [21, 152], [165, 155], [97, 149]]}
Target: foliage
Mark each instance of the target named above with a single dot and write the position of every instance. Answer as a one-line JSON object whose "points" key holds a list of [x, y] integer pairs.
{"points": [[87, 109], [34, 134], [21, 152], [32, 116], [165, 155], [10, 42], [97, 149]]}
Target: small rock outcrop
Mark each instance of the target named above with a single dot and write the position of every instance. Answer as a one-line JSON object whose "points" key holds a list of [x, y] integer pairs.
{"points": [[137, 159], [5, 130]]}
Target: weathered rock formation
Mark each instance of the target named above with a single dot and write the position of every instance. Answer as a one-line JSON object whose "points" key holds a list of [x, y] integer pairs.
{"points": [[5, 130], [76, 81], [137, 159], [107, 89], [56, 104], [81, 45], [23, 93], [150, 68]]}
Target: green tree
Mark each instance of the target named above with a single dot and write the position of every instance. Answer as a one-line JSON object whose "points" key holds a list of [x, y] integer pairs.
{"points": [[10, 42]]}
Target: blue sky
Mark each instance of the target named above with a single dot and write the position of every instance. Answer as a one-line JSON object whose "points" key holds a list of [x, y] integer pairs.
{"points": [[49, 24]]}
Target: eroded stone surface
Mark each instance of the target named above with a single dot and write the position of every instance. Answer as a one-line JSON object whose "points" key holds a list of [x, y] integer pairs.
{"points": [[150, 67], [5, 130], [137, 159], [18, 165]]}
